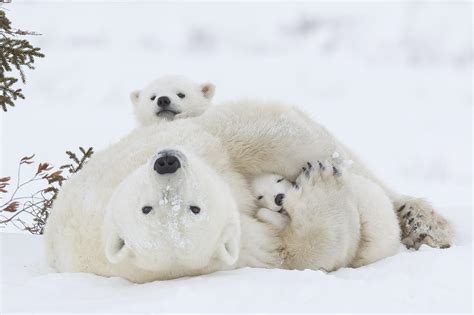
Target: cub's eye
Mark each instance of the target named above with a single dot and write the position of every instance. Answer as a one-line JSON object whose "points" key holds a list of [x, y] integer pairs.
{"points": [[259, 197], [181, 95], [153, 97], [146, 209], [280, 180], [195, 209]]}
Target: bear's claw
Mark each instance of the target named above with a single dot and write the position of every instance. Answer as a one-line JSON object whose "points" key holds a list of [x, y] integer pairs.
{"points": [[309, 172], [421, 225]]}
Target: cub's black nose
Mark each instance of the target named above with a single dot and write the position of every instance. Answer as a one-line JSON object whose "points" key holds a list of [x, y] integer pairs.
{"points": [[167, 164], [279, 199], [164, 101]]}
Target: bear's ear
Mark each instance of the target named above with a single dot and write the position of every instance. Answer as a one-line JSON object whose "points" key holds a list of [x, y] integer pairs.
{"points": [[208, 90], [134, 97], [115, 249], [229, 246]]}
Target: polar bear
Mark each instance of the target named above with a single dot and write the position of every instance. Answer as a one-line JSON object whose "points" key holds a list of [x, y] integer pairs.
{"points": [[361, 232], [174, 207], [221, 151], [184, 213], [169, 98], [269, 191], [272, 122]]}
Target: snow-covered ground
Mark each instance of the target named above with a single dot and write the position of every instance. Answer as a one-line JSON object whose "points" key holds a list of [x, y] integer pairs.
{"points": [[392, 80], [425, 281]]}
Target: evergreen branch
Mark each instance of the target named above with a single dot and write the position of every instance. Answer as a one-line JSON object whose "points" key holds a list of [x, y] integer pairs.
{"points": [[15, 54]]}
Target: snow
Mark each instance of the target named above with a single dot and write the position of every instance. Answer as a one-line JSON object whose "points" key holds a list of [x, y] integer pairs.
{"points": [[392, 80], [429, 280]]}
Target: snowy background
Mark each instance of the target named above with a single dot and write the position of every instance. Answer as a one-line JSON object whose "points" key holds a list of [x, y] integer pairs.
{"points": [[392, 80]]}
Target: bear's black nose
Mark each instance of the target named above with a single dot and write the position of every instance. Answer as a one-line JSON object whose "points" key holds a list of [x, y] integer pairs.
{"points": [[167, 164], [279, 199], [164, 101]]}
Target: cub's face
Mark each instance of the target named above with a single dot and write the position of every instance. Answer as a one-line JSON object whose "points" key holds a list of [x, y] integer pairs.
{"points": [[169, 98], [270, 190], [173, 215]]}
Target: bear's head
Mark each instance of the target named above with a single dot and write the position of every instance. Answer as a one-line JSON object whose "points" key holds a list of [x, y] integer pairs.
{"points": [[174, 216], [270, 190], [169, 98]]}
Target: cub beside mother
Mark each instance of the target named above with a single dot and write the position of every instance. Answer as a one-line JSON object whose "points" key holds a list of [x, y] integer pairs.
{"points": [[172, 199]]}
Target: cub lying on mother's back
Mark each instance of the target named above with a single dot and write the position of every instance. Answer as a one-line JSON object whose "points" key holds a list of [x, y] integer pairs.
{"points": [[170, 98]]}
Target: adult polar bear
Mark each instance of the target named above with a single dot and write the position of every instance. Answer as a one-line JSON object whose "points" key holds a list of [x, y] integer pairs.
{"points": [[226, 145]]}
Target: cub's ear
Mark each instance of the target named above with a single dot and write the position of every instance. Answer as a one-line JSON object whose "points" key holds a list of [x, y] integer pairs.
{"points": [[208, 90], [134, 97]]}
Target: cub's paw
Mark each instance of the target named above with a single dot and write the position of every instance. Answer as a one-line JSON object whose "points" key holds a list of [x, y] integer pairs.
{"points": [[277, 219], [321, 189], [420, 224], [319, 172]]}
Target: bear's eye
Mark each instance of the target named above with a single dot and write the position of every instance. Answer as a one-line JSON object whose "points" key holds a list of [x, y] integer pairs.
{"points": [[153, 97], [259, 197], [195, 209], [146, 209], [280, 180], [181, 95]]}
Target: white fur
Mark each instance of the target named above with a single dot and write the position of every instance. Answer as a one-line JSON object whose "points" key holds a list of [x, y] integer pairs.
{"points": [[197, 98], [227, 146], [340, 204], [102, 205], [275, 138], [266, 188], [189, 239]]}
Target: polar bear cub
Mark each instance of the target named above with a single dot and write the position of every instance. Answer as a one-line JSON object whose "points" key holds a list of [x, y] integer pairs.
{"points": [[269, 191], [170, 98], [329, 217]]}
